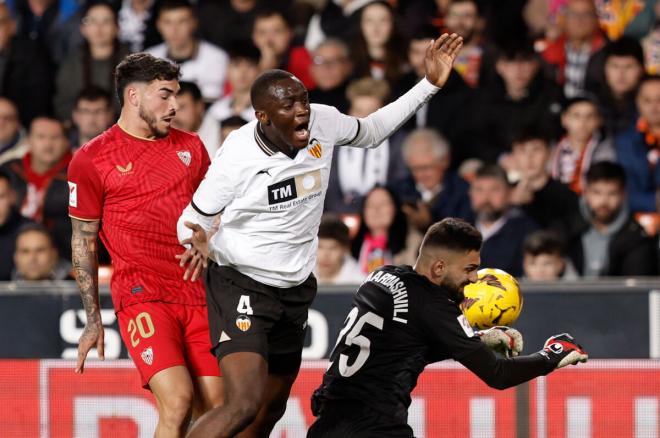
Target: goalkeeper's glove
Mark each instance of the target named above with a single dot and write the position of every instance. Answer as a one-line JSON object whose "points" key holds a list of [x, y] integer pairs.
{"points": [[504, 340], [563, 350]]}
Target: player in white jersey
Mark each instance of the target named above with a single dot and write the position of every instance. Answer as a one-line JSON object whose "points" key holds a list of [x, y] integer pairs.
{"points": [[269, 181]]}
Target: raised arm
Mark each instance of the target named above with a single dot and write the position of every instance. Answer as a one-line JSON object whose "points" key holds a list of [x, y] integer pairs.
{"points": [[440, 56], [86, 266]]}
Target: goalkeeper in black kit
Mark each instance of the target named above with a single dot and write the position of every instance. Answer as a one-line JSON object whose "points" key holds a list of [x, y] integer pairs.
{"points": [[404, 318]]}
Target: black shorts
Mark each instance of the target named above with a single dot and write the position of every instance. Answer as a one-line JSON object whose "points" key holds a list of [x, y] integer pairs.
{"points": [[343, 419], [248, 316]]}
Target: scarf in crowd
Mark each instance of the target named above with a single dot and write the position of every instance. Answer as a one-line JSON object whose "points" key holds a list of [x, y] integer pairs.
{"points": [[37, 186], [570, 166], [652, 142]]}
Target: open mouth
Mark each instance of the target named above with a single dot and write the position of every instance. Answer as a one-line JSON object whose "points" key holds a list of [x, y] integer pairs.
{"points": [[301, 131]]}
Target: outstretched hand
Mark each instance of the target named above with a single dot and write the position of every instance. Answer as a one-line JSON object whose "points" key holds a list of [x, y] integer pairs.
{"points": [[92, 337], [194, 259], [440, 56]]}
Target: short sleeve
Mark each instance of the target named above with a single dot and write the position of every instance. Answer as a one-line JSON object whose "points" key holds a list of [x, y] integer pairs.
{"points": [[449, 331], [85, 188], [217, 188]]}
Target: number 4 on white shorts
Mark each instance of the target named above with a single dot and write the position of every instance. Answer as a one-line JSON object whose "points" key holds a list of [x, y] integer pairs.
{"points": [[244, 305]]}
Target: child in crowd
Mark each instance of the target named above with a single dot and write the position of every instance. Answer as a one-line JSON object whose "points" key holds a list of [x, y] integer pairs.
{"points": [[582, 144], [544, 258], [334, 264]]}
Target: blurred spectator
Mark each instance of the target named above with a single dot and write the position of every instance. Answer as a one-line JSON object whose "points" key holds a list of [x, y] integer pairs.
{"points": [[582, 144], [381, 238], [503, 227], [201, 62], [192, 117], [379, 51], [432, 192], [604, 240], [40, 21], [273, 36], [39, 179], [331, 69], [335, 19], [616, 15], [93, 62], [544, 258], [522, 97], [547, 201], [242, 70], [613, 75], [355, 171], [638, 148], [651, 44], [137, 24], [449, 111], [570, 53], [463, 18], [230, 124], [36, 258], [222, 22], [26, 75], [10, 222], [12, 137], [92, 114], [334, 264]]}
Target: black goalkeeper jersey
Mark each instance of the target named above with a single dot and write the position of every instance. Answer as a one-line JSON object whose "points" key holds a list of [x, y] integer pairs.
{"points": [[400, 322]]}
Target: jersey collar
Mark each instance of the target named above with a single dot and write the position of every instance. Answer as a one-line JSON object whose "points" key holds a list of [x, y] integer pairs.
{"points": [[267, 146]]}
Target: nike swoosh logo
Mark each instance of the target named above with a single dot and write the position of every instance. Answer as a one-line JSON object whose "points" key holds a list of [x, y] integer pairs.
{"points": [[264, 171]]}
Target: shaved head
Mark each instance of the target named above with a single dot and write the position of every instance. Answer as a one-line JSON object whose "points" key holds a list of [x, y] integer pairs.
{"points": [[265, 87], [282, 108]]}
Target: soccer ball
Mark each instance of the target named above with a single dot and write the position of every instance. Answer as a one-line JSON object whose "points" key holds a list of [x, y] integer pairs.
{"points": [[495, 299]]}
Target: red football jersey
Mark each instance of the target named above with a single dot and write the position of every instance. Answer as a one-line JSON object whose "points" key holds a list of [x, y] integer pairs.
{"points": [[138, 188]]}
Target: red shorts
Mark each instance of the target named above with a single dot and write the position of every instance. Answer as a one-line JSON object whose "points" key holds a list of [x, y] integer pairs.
{"points": [[163, 335]]}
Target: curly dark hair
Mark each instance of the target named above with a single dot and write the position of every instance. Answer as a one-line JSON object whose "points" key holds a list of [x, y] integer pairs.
{"points": [[143, 67]]}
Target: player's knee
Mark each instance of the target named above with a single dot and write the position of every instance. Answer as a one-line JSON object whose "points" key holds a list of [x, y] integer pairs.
{"points": [[176, 409]]}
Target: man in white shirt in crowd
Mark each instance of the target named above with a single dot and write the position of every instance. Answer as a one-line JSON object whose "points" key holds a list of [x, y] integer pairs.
{"points": [[201, 62], [193, 117], [334, 264], [242, 70], [269, 181]]}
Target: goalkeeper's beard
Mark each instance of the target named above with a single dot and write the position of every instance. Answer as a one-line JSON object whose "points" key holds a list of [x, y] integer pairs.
{"points": [[455, 290]]}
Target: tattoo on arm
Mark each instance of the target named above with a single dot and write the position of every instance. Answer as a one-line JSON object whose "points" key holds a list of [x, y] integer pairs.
{"points": [[86, 265]]}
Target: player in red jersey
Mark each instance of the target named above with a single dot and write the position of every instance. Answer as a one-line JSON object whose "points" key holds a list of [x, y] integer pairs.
{"points": [[129, 185]]}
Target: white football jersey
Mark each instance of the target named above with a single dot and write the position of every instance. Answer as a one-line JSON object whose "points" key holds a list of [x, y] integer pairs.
{"points": [[272, 204]]}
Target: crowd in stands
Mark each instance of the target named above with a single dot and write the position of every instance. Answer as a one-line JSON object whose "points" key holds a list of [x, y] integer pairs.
{"points": [[546, 135]]}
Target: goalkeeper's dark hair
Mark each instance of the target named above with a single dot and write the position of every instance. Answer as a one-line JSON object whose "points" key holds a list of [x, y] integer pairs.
{"points": [[606, 171], [544, 242], [260, 91], [145, 68], [454, 234]]}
